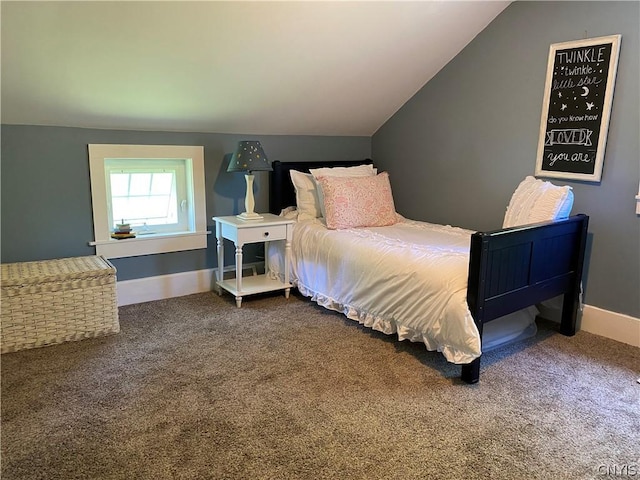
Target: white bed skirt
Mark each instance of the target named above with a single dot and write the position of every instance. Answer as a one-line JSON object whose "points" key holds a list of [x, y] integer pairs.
{"points": [[344, 283]]}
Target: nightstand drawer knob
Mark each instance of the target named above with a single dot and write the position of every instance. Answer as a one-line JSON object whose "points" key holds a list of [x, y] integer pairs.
{"points": [[266, 234]]}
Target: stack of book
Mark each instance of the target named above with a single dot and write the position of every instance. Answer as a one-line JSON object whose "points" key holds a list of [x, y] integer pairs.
{"points": [[123, 230]]}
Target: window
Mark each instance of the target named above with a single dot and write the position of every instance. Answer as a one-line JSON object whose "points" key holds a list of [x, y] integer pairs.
{"points": [[158, 190], [152, 195]]}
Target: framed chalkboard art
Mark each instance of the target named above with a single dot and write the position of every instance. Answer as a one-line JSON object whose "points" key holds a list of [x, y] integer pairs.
{"points": [[577, 104]]}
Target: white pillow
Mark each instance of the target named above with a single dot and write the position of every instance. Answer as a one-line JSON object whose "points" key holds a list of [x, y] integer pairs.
{"points": [[537, 201], [307, 202], [357, 171]]}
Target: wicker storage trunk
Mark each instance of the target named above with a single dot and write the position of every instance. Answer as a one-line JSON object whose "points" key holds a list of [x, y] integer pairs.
{"points": [[55, 301]]}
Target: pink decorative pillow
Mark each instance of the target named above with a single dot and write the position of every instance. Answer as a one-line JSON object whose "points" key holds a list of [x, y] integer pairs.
{"points": [[357, 171], [358, 201]]}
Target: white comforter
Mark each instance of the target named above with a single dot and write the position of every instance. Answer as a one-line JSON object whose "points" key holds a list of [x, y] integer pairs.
{"points": [[409, 279]]}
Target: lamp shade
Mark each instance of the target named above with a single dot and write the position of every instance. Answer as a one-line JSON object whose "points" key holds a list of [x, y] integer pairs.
{"points": [[248, 157]]}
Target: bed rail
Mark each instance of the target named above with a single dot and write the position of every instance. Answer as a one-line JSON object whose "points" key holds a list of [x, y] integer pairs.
{"points": [[513, 268]]}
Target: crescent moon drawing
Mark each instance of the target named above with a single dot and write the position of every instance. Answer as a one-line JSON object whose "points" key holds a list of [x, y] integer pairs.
{"points": [[585, 91]]}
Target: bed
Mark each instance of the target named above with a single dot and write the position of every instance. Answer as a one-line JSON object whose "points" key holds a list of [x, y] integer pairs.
{"points": [[488, 276]]}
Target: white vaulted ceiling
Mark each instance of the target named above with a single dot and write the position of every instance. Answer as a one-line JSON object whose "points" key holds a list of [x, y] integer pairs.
{"points": [[298, 68]]}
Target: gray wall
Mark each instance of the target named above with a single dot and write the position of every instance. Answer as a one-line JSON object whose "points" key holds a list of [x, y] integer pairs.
{"points": [[460, 146], [46, 194], [455, 152]]}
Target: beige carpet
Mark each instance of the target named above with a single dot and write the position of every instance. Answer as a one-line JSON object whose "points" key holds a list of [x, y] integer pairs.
{"points": [[193, 387]]}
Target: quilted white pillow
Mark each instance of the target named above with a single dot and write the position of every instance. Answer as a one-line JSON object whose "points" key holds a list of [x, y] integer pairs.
{"points": [[358, 201], [537, 201], [307, 202], [357, 171]]}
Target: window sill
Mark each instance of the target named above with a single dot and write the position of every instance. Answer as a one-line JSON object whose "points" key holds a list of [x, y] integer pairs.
{"points": [[150, 244]]}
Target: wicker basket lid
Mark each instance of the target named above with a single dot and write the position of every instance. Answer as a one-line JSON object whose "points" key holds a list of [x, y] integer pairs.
{"points": [[61, 269]]}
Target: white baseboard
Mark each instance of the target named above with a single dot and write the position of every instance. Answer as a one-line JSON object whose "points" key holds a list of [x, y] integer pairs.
{"points": [[147, 289], [605, 323], [617, 326], [167, 286]]}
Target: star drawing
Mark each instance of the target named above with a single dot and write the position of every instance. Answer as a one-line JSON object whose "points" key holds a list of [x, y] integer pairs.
{"points": [[590, 105]]}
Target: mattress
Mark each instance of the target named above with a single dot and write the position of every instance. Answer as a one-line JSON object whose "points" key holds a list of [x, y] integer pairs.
{"points": [[408, 279]]}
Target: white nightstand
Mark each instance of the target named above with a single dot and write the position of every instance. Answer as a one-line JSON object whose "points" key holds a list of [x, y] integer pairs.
{"points": [[240, 232]]}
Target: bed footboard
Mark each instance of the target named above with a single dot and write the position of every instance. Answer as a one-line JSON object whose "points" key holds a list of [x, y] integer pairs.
{"points": [[514, 268]]}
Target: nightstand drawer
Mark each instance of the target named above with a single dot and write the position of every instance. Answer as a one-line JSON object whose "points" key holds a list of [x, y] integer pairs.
{"points": [[262, 233]]}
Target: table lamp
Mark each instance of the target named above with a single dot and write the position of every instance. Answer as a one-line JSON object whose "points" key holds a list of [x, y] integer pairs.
{"points": [[249, 157]]}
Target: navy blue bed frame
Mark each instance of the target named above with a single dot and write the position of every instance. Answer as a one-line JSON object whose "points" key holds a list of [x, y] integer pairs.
{"points": [[509, 269]]}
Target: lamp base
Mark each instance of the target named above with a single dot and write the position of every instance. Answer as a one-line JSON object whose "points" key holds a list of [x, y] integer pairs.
{"points": [[250, 216]]}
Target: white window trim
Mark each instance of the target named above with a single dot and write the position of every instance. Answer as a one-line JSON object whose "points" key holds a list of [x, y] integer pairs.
{"points": [[154, 243]]}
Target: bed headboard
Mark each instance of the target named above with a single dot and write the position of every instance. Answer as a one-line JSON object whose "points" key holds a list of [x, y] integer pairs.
{"points": [[282, 193]]}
